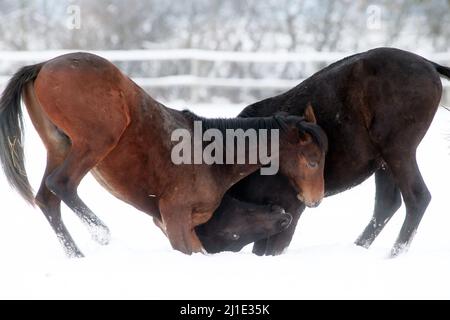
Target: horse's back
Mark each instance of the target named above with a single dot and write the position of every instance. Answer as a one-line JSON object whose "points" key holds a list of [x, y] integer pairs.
{"points": [[82, 91], [397, 89], [376, 91], [401, 66]]}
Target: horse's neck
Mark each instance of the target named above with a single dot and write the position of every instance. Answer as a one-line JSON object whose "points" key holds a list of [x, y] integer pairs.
{"points": [[230, 174], [154, 124], [234, 172], [263, 108], [293, 101], [163, 119]]}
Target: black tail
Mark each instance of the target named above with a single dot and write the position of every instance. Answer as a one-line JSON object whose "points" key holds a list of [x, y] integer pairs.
{"points": [[11, 131], [442, 70]]}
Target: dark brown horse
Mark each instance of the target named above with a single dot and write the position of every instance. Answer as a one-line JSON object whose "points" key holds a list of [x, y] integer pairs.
{"points": [[244, 223], [93, 118], [375, 107]]}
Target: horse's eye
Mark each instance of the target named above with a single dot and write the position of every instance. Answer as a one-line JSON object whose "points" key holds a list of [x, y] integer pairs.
{"points": [[235, 236], [313, 165]]}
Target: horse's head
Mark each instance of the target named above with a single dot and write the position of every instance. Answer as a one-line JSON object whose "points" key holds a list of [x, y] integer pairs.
{"points": [[303, 147], [236, 224]]}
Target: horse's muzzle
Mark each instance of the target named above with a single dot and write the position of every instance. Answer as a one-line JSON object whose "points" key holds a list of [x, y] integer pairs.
{"points": [[309, 204]]}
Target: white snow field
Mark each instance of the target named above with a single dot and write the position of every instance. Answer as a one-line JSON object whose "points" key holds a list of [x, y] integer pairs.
{"points": [[322, 261]]}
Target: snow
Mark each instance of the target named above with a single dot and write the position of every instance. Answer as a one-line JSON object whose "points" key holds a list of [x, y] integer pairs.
{"points": [[322, 261]]}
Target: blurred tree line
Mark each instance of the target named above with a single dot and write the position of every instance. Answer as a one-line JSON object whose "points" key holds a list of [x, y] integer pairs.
{"points": [[237, 25], [234, 25]]}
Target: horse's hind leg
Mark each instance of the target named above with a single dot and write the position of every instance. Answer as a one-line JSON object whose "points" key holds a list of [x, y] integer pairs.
{"points": [[415, 195], [387, 201], [93, 132], [50, 205], [64, 181], [57, 146]]}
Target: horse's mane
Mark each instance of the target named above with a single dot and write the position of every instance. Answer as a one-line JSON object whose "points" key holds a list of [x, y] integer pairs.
{"points": [[274, 122], [238, 123]]}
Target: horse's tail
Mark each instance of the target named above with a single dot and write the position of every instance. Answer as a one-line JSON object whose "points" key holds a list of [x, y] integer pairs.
{"points": [[445, 71], [11, 131]]}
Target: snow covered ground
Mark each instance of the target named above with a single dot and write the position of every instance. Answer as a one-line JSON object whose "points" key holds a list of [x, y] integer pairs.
{"points": [[322, 261]]}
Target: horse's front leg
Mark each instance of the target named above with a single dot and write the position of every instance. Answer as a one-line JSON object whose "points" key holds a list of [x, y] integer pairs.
{"points": [[179, 227], [277, 244]]}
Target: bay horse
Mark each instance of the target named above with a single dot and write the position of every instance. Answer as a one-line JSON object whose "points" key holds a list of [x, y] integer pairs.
{"points": [[91, 117], [375, 108]]}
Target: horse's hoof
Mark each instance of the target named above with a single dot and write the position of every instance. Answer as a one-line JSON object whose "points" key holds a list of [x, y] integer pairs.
{"points": [[275, 252], [258, 249], [101, 235], [364, 243], [397, 250], [74, 253]]}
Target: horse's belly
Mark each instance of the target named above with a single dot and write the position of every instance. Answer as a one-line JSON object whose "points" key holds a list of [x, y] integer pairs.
{"points": [[123, 185], [352, 156], [335, 184], [345, 170], [106, 183]]}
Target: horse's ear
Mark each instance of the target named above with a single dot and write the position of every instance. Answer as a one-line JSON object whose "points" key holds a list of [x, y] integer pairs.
{"points": [[303, 136], [309, 114]]}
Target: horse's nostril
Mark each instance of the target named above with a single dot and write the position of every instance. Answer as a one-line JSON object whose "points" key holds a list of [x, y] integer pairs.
{"points": [[277, 209], [314, 204], [285, 220]]}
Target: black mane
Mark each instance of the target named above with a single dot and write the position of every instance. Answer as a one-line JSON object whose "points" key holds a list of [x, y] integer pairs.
{"points": [[274, 122], [238, 123]]}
